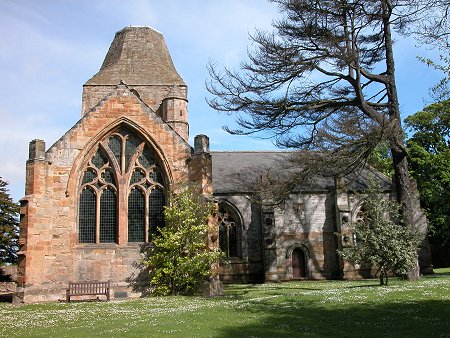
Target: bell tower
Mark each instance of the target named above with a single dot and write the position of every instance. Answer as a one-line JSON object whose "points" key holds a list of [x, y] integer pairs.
{"points": [[139, 58]]}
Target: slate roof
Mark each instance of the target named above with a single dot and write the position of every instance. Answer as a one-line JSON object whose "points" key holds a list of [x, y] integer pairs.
{"points": [[137, 56], [237, 171]]}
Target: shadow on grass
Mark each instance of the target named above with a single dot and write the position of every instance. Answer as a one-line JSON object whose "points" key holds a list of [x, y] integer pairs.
{"points": [[241, 294], [298, 318], [439, 274], [364, 286]]}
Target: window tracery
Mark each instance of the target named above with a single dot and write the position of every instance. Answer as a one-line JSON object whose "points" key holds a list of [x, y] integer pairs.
{"points": [[123, 164], [230, 233]]}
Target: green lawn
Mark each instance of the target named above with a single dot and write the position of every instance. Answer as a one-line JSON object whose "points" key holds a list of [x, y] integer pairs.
{"points": [[306, 308]]}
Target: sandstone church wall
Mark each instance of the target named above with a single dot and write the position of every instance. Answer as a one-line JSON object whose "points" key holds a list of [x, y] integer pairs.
{"points": [[50, 253], [305, 222], [152, 97]]}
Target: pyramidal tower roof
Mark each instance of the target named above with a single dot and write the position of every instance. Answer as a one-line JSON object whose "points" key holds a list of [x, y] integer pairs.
{"points": [[137, 56]]}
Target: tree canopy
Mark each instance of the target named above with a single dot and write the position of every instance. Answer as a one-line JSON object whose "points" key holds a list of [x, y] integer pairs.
{"points": [[379, 239], [429, 157], [9, 225]]}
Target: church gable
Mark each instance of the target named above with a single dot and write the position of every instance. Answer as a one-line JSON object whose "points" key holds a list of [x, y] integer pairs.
{"points": [[120, 107], [97, 194]]}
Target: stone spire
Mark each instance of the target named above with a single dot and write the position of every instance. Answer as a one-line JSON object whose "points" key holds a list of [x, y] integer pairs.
{"points": [[138, 57]]}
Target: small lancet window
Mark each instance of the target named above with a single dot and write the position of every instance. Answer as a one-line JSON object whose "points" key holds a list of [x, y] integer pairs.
{"points": [[156, 209], [136, 216], [87, 215], [108, 216]]}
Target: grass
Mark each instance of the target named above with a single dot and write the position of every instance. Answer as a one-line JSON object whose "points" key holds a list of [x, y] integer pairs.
{"points": [[305, 308]]}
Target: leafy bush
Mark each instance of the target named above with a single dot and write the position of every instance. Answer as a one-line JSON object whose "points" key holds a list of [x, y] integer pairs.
{"points": [[380, 238], [179, 258]]}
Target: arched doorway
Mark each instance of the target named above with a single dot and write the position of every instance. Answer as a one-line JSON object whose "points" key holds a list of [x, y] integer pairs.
{"points": [[298, 263]]}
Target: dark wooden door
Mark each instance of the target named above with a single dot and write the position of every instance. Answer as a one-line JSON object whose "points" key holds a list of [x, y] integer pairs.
{"points": [[298, 263]]}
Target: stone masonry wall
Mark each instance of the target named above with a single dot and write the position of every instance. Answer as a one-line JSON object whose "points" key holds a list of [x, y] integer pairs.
{"points": [[50, 255], [306, 221], [249, 267], [150, 95]]}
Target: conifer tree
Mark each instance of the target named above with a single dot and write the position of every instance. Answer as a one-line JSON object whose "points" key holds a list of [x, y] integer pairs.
{"points": [[324, 80], [9, 225]]}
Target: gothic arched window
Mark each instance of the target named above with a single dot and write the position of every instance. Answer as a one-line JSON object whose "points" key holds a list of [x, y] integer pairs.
{"points": [[230, 232], [122, 170]]}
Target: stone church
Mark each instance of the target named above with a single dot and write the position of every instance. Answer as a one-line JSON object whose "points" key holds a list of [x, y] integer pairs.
{"points": [[96, 196]]}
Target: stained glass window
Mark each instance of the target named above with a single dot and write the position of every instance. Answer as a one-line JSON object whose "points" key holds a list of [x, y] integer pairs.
{"points": [[146, 159], [99, 159], [223, 238], [156, 206], [108, 176], [115, 144], [89, 176], [124, 164], [108, 216], [137, 176], [156, 176], [87, 222], [130, 148], [230, 233], [136, 216]]}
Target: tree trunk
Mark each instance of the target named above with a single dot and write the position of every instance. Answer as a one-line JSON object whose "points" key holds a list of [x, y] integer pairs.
{"points": [[405, 192]]}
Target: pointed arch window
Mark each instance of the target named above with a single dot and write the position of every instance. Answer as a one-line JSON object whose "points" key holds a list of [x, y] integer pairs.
{"points": [[230, 232], [123, 170]]}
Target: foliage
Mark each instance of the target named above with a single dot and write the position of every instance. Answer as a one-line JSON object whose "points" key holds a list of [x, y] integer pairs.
{"points": [[325, 80], [381, 159], [179, 259], [429, 157], [381, 239], [9, 226], [294, 309], [440, 91], [436, 33]]}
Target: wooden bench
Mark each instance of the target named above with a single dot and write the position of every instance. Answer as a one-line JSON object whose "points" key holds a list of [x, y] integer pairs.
{"points": [[88, 289]]}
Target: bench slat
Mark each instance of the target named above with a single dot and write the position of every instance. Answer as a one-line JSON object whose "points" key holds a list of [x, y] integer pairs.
{"points": [[88, 288]]}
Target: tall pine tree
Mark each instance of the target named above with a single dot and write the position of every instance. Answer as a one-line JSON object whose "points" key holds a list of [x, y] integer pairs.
{"points": [[324, 80], [9, 225]]}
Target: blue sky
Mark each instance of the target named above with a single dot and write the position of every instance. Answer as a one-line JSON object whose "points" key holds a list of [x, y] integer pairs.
{"points": [[50, 48]]}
